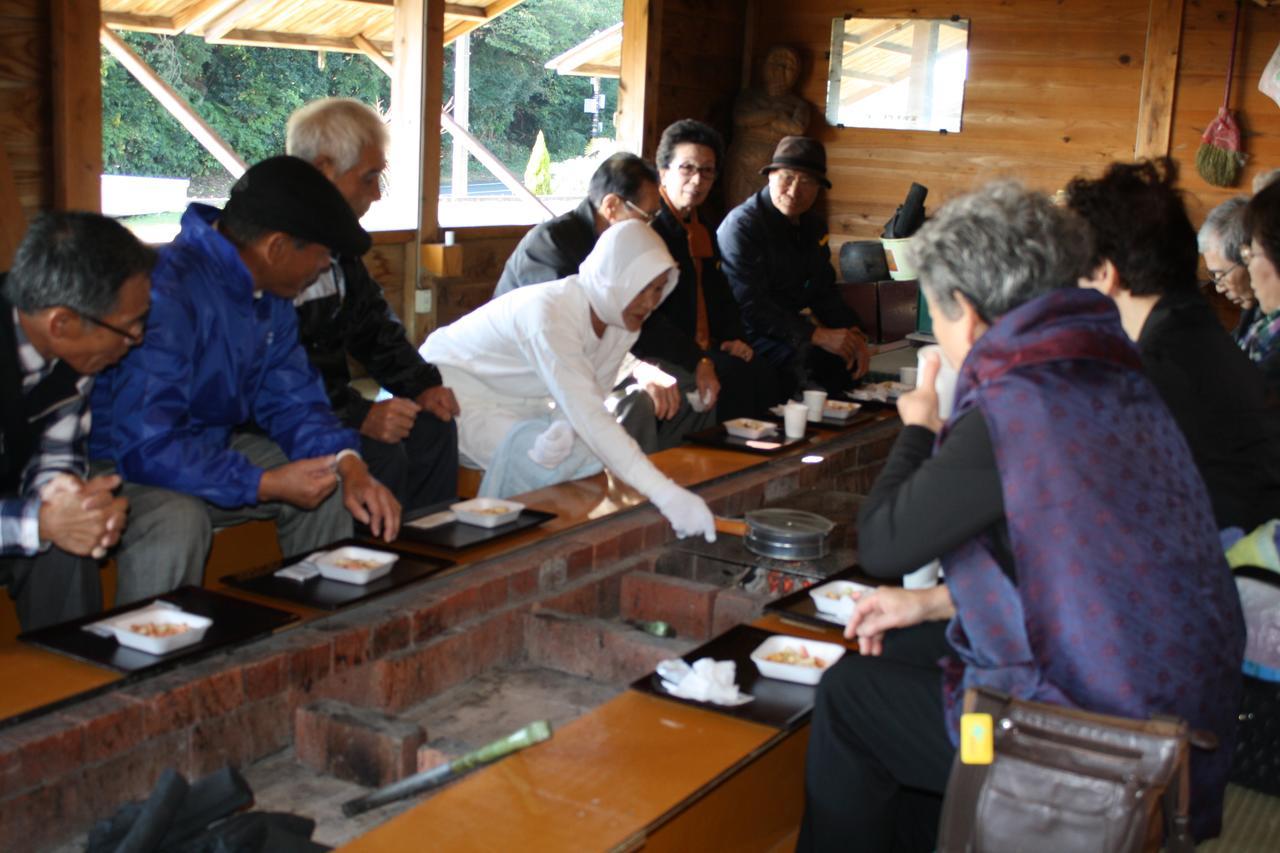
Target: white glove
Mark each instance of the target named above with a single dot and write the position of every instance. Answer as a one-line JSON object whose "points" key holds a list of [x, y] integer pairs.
{"points": [[686, 511], [553, 446]]}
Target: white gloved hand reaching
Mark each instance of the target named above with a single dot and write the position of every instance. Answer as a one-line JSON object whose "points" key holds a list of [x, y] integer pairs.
{"points": [[553, 446], [688, 513]]}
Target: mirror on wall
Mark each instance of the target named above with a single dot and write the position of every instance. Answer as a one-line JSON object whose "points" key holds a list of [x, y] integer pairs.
{"points": [[898, 73]]}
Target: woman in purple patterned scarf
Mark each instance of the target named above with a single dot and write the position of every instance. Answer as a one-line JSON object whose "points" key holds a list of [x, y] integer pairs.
{"points": [[1080, 554]]}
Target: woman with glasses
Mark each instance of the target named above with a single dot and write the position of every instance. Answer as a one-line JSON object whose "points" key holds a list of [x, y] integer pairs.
{"points": [[1145, 260], [1262, 229], [696, 334], [1221, 238]]}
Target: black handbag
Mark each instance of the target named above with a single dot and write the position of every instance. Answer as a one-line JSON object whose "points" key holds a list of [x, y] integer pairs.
{"points": [[1068, 780]]}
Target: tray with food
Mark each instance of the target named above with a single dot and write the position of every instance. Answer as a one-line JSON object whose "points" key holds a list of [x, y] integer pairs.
{"points": [[836, 415], [152, 634], [882, 393], [767, 444], [826, 605], [795, 659], [470, 523], [348, 571], [774, 702]]}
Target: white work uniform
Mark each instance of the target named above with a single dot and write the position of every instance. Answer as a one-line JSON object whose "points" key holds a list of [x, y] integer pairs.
{"points": [[509, 359]]}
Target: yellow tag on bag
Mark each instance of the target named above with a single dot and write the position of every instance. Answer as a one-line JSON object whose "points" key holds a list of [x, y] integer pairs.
{"points": [[977, 744]]}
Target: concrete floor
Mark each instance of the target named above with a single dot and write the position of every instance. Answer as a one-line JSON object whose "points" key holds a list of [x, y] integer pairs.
{"points": [[468, 716]]}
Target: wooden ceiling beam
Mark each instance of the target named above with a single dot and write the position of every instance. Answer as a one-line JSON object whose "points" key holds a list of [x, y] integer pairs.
{"points": [[370, 50], [469, 13], [158, 24], [226, 22], [294, 41], [194, 17]]}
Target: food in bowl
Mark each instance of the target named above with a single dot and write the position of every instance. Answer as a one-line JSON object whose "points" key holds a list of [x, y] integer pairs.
{"points": [[795, 659], [749, 428], [840, 410], [358, 565], [797, 656], [353, 564], [159, 629], [835, 600], [487, 512]]}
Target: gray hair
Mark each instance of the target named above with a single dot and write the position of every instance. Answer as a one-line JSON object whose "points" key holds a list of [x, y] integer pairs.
{"points": [[77, 260], [339, 128], [1001, 246], [1223, 229]]}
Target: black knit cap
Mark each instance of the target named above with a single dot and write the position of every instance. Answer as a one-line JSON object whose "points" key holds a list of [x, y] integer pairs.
{"points": [[290, 195], [800, 153]]}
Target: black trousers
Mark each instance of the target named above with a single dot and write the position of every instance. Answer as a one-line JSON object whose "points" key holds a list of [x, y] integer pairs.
{"points": [[423, 468], [747, 388], [52, 587], [879, 754]]}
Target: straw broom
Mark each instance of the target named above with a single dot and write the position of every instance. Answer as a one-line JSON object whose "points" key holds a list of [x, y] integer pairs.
{"points": [[1218, 159]]}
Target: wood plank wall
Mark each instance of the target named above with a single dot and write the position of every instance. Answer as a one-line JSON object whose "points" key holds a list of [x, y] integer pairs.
{"points": [[26, 104]]}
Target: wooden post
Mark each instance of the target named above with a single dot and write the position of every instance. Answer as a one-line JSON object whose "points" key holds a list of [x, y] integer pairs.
{"points": [[461, 110], [638, 81], [13, 219], [1159, 78], [77, 105]]}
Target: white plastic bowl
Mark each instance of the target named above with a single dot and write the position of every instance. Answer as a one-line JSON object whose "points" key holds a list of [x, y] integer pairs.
{"points": [[333, 565], [833, 598], [828, 653], [159, 614], [840, 410], [487, 512], [749, 428]]}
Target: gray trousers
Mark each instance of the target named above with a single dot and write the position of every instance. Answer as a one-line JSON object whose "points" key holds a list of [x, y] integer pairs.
{"points": [[635, 413], [52, 587], [167, 539]]}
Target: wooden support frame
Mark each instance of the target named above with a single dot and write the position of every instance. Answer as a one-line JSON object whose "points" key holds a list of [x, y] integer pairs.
{"points": [[637, 89], [77, 105], [174, 103], [376, 56], [1159, 78], [226, 22]]}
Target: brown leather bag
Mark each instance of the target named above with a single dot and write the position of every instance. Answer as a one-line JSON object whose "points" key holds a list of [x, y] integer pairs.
{"points": [[1068, 780]]}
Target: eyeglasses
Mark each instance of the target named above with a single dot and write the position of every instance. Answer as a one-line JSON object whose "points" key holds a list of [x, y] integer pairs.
{"points": [[688, 170], [646, 216], [127, 335], [1216, 276]]}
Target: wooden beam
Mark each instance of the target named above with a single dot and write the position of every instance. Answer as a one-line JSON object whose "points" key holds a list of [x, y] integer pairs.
{"points": [[141, 23], [1159, 78], [13, 219], [462, 136], [226, 22], [77, 105], [195, 16], [413, 163], [294, 41], [470, 13], [638, 76], [173, 102], [376, 56]]}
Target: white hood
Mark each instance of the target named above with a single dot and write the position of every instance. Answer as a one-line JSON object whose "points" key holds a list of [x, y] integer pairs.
{"points": [[625, 259]]}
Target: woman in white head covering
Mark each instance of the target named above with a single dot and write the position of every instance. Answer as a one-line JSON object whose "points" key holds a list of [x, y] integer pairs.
{"points": [[532, 368]]}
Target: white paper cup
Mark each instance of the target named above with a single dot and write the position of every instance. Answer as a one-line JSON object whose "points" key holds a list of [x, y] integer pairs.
{"points": [[907, 376], [794, 416], [945, 383], [924, 577], [816, 401]]}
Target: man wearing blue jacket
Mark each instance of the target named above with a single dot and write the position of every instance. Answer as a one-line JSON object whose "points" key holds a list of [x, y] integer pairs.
{"points": [[219, 417]]}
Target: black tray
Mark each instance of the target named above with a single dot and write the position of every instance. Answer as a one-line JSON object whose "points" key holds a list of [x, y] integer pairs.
{"points": [[234, 621], [798, 607], [456, 535], [861, 418], [779, 704], [717, 436], [325, 594]]}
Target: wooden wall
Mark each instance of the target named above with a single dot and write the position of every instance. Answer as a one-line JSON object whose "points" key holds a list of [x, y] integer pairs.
{"points": [[26, 126], [1053, 91]]}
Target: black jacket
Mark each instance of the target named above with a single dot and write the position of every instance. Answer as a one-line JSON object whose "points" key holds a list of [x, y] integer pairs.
{"points": [[1221, 403], [777, 269], [551, 250], [355, 320], [23, 417], [669, 332]]}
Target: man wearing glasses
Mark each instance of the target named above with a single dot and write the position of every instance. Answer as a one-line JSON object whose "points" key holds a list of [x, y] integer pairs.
{"points": [[73, 304], [219, 417], [778, 261]]}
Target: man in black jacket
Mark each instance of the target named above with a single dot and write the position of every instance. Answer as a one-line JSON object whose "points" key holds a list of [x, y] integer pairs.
{"points": [[409, 441], [74, 303]]}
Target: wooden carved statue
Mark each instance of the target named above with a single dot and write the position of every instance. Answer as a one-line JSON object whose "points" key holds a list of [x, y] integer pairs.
{"points": [[761, 117]]}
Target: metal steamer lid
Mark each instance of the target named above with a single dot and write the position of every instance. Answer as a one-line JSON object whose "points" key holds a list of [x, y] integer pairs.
{"points": [[788, 533]]}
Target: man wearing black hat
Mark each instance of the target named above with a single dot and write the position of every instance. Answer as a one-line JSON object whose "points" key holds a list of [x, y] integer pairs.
{"points": [[218, 417], [775, 254]]}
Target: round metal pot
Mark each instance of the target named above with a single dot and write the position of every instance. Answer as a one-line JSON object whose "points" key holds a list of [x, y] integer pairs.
{"points": [[782, 534]]}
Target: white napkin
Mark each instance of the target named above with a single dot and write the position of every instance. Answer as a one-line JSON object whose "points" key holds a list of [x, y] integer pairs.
{"points": [[697, 402], [706, 681]]}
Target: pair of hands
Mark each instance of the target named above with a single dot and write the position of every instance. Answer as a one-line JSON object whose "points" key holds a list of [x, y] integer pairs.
{"points": [[307, 482], [889, 607], [849, 345], [390, 421], [82, 517]]}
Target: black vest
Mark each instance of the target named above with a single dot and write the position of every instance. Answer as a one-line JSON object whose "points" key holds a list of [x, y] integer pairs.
{"points": [[24, 417]]}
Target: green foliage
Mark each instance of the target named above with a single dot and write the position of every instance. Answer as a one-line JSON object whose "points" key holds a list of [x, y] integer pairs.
{"points": [[246, 95], [537, 174]]}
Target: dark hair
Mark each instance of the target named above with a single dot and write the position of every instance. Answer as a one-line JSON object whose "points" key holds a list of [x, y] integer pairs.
{"points": [[76, 259], [688, 130], [1262, 221], [621, 174], [1140, 224]]}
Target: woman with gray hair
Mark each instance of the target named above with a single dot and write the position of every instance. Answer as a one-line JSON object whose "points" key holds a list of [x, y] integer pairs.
{"points": [[1070, 522], [1220, 239]]}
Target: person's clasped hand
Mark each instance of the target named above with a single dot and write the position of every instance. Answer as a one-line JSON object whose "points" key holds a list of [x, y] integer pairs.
{"points": [[688, 513], [553, 445], [919, 407]]}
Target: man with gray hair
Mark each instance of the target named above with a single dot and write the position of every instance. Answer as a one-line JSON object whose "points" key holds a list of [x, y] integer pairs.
{"points": [[73, 304], [409, 441], [1220, 239]]}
